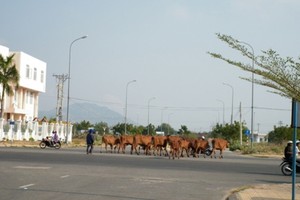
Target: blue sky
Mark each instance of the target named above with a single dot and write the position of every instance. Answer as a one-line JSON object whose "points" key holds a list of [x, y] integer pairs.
{"points": [[161, 44]]}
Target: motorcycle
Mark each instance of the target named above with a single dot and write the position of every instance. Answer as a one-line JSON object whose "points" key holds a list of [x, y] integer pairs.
{"points": [[286, 167], [208, 151], [48, 143]]}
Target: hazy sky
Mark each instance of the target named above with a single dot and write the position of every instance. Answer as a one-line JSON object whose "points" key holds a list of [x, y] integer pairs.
{"points": [[162, 44]]}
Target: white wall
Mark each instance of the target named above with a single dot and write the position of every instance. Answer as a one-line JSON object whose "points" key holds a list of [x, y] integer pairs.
{"points": [[23, 62], [4, 51]]}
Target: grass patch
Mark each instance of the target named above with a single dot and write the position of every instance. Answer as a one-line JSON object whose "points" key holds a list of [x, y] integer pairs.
{"points": [[263, 149]]}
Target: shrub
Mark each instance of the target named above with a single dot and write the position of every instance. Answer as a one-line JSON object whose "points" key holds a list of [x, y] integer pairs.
{"points": [[235, 146]]}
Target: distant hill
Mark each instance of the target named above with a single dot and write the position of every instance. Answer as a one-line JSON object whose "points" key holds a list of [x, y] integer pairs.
{"points": [[88, 112]]}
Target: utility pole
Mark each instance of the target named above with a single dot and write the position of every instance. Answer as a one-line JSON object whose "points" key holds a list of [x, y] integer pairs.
{"points": [[241, 125], [60, 79]]}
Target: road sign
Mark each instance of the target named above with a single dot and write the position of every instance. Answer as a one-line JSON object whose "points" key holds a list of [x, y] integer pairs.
{"points": [[247, 132]]}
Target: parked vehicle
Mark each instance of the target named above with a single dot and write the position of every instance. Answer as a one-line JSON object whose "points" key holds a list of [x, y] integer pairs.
{"points": [[46, 142], [286, 167]]}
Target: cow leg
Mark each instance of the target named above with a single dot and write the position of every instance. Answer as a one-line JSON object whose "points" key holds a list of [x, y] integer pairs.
{"points": [[187, 153], [213, 153], [105, 147], [221, 154], [110, 148]]}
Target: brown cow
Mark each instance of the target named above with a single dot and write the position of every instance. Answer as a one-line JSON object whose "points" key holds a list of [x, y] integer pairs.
{"points": [[175, 148], [186, 145], [124, 141], [159, 144], [200, 146], [219, 144], [174, 139], [110, 140], [143, 140]]}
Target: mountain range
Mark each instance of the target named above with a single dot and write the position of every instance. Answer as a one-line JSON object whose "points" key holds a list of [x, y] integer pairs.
{"points": [[88, 112]]}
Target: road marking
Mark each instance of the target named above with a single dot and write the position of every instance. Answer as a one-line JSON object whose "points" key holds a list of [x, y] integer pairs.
{"points": [[30, 167], [26, 186], [65, 176]]}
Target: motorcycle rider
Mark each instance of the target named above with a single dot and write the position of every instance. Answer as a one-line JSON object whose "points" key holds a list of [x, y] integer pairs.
{"points": [[54, 137], [288, 150], [291, 154]]}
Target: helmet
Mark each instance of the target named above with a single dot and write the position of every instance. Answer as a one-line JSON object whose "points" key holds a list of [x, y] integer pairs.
{"points": [[297, 142], [290, 142], [203, 137]]}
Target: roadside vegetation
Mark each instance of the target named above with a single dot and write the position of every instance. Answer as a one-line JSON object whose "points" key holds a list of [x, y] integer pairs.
{"points": [[272, 144]]}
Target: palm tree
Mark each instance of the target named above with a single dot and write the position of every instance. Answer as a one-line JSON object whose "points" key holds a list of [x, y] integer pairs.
{"points": [[9, 79]]}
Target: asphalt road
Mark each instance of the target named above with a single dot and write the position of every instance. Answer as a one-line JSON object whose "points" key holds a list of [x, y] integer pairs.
{"points": [[32, 173]]}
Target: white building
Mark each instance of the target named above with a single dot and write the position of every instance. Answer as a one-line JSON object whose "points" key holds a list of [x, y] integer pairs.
{"points": [[21, 109], [23, 105]]}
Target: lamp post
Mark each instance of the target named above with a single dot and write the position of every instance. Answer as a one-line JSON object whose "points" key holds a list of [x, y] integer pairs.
{"points": [[169, 121], [69, 77], [223, 110], [149, 110], [126, 105], [232, 94], [252, 91], [161, 118]]}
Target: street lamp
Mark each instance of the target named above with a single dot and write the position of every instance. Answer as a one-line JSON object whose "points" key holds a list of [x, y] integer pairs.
{"points": [[232, 92], [126, 105], [223, 110], [69, 77], [149, 110], [161, 119], [169, 121], [252, 91]]}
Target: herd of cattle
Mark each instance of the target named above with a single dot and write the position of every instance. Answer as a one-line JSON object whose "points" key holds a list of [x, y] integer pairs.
{"points": [[172, 146]]}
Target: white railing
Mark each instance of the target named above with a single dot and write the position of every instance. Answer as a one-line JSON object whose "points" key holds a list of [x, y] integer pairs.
{"points": [[32, 130]]}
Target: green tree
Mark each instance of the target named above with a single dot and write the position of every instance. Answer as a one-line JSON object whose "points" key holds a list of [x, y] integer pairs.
{"points": [[166, 128], [101, 128], [280, 74], [184, 130], [280, 134], [83, 125], [9, 79], [230, 132], [138, 129], [120, 128]]}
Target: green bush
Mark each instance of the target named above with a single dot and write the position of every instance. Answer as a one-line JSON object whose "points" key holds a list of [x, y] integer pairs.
{"points": [[235, 146]]}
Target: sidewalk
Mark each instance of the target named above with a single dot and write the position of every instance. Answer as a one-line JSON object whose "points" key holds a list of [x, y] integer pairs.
{"points": [[266, 192]]}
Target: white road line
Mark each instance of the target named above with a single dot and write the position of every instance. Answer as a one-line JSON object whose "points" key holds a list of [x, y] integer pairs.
{"points": [[65, 176], [30, 167], [26, 186]]}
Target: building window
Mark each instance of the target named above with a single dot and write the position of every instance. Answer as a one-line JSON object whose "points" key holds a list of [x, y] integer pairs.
{"points": [[31, 97], [34, 73], [27, 71], [42, 76], [27, 97]]}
